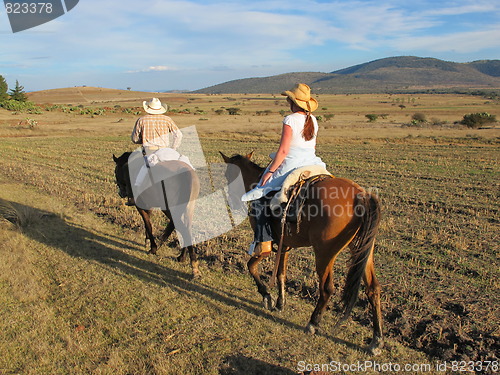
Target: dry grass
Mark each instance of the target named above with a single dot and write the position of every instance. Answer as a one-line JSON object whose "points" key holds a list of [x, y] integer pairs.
{"points": [[20, 216], [78, 294]]}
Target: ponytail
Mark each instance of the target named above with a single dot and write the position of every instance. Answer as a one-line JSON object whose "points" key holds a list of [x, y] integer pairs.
{"points": [[308, 131]]}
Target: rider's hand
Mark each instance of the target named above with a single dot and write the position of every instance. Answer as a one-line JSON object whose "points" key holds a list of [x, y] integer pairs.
{"points": [[265, 178]]}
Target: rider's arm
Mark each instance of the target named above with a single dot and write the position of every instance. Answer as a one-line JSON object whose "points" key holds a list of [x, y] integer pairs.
{"points": [[137, 133], [286, 138], [176, 135]]}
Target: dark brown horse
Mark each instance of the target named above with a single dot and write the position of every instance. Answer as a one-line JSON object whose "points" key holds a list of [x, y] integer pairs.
{"points": [[338, 214], [183, 189]]}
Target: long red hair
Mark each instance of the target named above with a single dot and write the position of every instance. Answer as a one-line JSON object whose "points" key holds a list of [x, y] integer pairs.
{"points": [[308, 131]]}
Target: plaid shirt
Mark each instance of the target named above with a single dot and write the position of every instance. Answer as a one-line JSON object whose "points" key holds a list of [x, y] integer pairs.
{"points": [[153, 131]]}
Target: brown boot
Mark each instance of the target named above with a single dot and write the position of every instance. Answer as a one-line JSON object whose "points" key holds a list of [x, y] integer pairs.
{"points": [[263, 248]]}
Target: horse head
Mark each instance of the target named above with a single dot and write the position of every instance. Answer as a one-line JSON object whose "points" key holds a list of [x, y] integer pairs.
{"points": [[239, 165], [249, 170], [122, 178]]}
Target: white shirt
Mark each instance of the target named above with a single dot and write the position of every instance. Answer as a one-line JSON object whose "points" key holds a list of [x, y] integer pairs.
{"points": [[297, 121]]}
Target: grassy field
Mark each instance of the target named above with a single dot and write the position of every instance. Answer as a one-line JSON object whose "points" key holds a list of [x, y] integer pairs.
{"points": [[79, 295]]}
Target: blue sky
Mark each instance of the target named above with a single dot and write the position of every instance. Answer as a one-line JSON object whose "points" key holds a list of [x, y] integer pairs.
{"points": [[173, 45]]}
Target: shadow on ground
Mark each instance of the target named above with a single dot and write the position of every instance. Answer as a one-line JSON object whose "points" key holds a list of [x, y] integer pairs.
{"points": [[241, 365], [109, 250]]}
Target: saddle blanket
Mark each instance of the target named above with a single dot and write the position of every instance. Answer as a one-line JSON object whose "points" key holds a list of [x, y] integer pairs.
{"points": [[295, 176], [163, 154]]}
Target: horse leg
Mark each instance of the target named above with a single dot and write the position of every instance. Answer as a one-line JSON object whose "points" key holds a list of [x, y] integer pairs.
{"points": [[184, 229], [326, 290], [183, 255], [194, 261], [325, 259], [373, 293], [190, 250], [145, 214], [253, 268], [280, 302], [166, 233]]}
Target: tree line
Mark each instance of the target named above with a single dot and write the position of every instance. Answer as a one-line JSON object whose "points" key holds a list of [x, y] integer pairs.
{"points": [[17, 93]]}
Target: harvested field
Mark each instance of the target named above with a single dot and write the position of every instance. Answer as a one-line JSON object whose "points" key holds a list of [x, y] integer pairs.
{"points": [[78, 293]]}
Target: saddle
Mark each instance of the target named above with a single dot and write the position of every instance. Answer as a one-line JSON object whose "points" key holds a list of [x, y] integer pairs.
{"points": [[296, 176], [289, 202], [297, 194]]}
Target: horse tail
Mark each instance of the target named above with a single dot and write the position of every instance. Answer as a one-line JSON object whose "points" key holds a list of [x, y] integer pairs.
{"points": [[367, 208]]}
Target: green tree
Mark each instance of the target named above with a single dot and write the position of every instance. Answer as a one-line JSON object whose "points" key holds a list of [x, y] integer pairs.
{"points": [[3, 89], [17, 93]]}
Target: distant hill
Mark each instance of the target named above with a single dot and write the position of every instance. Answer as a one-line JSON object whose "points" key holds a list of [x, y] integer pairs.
{"points": [[88, 95], [392, 74]]}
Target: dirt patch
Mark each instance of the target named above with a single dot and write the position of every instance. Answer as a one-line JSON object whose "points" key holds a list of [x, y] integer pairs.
{"points": [[442, 336]]}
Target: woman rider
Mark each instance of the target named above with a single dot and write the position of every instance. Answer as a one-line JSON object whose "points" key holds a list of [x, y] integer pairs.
{"points": [[297, 149]]}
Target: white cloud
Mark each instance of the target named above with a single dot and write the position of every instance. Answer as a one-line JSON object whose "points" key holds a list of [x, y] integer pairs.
{"points": [[158, 68], [474, 7], [463, 42]]}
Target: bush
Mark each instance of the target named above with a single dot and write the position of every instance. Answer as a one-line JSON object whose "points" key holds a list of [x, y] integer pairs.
{"points": [[17, 106], [233, 110], [263, 113], [371, 117], [419, 117], [476, 120], [437, 122], [413, 124]]}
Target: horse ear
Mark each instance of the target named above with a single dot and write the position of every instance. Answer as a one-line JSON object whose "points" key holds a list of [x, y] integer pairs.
{"points": [[115, 158], [226, 159], [249, 156]]}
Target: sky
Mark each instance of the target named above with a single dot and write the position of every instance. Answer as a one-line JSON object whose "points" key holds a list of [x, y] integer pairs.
{"points": [[161, 45]]}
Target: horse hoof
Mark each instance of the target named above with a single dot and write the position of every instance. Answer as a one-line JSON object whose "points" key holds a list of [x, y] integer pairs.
{"points": [[311, 329], [267, 301], [279, 306], [153, 252], [375, 348], [196, 275]]}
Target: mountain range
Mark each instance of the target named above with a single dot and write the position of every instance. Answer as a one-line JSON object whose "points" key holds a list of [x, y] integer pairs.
{"points": [[391, 75]]}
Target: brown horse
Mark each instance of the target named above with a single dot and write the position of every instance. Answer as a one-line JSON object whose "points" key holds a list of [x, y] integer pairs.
{"points": [[183, 189], [338, 214]]}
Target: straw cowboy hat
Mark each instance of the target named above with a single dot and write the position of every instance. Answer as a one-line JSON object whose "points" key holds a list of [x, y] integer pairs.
{"points": [[301, 95], [154, 107]]}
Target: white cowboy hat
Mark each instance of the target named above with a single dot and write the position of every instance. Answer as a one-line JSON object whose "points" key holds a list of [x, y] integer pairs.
{"points": [[301, 95], [154, 107]]}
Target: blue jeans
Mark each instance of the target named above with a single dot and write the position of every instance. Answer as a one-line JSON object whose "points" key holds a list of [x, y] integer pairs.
{"points": [[261, 212]]}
